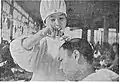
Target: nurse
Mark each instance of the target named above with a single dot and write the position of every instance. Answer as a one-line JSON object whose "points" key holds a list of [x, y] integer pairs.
{"points": [[37, 53]]}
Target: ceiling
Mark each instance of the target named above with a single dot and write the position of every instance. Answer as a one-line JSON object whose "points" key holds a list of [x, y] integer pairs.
{"points": [[80, 12]]}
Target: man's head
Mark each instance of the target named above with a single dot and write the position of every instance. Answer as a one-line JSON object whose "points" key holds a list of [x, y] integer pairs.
{"points": [[75, 55], [53, 13]]}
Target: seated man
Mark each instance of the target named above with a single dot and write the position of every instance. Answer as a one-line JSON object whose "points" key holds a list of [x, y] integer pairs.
{"points": [[76, 57]]}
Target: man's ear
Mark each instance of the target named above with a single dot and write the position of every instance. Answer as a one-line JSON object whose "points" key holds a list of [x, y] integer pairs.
{"points": [[76, 54]]}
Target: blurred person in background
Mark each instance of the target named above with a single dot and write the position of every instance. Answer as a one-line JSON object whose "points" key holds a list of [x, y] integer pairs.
{"points": [[115, 56], [106, 59]]}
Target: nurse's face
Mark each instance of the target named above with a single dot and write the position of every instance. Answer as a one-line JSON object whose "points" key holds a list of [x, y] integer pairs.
{"points": [[57, 22]]}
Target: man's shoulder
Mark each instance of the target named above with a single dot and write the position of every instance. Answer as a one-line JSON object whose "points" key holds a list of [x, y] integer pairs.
{"points": [[97, 76], [101, 75]]}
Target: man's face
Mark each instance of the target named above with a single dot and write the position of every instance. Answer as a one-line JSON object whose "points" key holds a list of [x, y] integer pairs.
{"points": [[68, 64], [57, 21]]}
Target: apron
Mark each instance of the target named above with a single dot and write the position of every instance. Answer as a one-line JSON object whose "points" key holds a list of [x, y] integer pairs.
{"points": [[45, 65]]}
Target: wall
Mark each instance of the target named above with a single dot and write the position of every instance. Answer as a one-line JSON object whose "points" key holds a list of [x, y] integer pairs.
{"points": [[22, 22]]}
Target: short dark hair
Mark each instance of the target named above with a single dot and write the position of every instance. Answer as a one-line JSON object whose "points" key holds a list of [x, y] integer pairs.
{"points": [[82, 46]]}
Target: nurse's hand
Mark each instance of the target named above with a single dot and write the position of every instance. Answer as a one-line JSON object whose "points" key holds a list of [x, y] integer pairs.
{"points": [[45, 31], [53, 31], [65, 38]]}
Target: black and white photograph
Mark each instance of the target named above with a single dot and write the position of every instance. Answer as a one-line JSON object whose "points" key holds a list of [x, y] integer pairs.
{"points": [[59, 40]]}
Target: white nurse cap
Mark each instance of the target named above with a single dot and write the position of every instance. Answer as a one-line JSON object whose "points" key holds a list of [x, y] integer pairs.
{"points": [[48, 7]]}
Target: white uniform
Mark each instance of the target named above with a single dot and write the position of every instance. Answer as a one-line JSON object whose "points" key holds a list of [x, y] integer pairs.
{"points": [[40, 60]]}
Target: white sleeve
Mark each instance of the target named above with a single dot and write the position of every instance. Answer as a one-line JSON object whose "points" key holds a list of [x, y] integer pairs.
{"points": [[20, 55]]}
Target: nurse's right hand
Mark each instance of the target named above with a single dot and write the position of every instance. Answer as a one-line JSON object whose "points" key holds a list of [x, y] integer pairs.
{"points": [[52, 31], [45, 31]]}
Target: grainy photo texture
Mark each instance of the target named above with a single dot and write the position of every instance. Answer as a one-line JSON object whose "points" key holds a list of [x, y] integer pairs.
{"points": [[59, 40]]}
